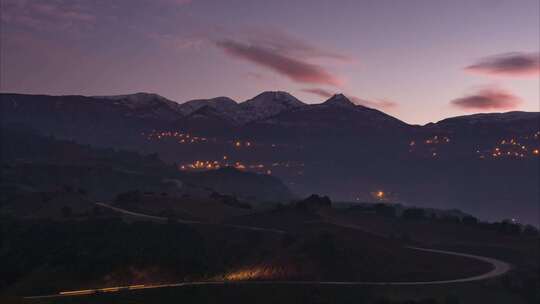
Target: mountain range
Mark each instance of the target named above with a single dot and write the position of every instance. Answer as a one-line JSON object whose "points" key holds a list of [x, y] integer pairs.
{"points": [[337, 148]]}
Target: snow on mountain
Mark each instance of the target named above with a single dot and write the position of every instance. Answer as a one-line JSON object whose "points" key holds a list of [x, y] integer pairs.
{"points": [[261, 106], [339, 100], [266, 105], [146, 105], [492, 117], [332, 117], [141, 100], [221, 104], [489, 125]]}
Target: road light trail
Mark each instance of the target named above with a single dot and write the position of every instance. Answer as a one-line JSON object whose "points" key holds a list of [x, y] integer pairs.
{"points": [[498, 268]]}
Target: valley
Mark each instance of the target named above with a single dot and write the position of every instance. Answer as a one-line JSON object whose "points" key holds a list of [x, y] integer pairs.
{"points": [[155, 201]]}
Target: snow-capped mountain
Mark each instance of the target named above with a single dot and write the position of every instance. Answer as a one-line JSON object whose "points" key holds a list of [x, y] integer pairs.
{"points": [[276, 113], [337, 115], [146, 105], [492, 117], [140, 100], [339, 100], [262, 106], [496, 124], [267, 104], [221, 104]]}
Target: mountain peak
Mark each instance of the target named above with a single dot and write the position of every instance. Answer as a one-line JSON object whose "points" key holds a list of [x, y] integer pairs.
{"points": [[274, 97], [339, 100], [140, 100], [268, 104], [145, 105], [222, 104], [224, 99]]}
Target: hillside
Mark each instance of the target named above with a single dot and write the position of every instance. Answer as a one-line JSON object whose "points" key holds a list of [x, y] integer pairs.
{"points": [[336, 148], [32, 163]]}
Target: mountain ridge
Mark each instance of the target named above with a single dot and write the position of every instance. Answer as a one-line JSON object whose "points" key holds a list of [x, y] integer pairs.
{"points": [[265, 105], [346, 152]]}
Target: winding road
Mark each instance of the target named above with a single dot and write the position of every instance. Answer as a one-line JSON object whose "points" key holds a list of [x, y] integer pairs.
{"points": [[164, 219], [498, 268]]}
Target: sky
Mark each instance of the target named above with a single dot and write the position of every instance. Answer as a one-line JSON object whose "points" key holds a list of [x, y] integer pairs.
{"points": [[418, 60]]}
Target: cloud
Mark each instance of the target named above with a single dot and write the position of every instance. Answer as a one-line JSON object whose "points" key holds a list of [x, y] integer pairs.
{"points": [[278, 61], [320, 92], [488, 99], [284, 53], [379, 104], [287, 44], [52, 16], [508, 64], [376, 103]]}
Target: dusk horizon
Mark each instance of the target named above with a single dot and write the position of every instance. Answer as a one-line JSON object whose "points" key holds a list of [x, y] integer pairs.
{"points": [[312, 50]]}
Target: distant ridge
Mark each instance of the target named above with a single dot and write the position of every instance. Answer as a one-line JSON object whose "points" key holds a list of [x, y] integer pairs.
{"points": [[265, 105]]}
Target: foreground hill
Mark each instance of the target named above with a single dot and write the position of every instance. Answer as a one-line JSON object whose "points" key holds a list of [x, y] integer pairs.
{"points": [[110, 252], [308, 240]]}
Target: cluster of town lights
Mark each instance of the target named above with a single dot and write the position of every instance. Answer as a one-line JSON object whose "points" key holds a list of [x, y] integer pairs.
{"points": [[200, 165], [511, 148], [505, 148], [180, 137]]}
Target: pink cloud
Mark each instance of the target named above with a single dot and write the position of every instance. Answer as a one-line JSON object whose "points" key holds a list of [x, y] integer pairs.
{"points": [[46, 16], [488, 99], [320, 92], [376, 103], [509, 64], [296, 69], [379, 104], [287, 44]]}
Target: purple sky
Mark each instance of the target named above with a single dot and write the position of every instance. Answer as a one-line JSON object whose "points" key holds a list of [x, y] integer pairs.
{"points": [[419, 60]]}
